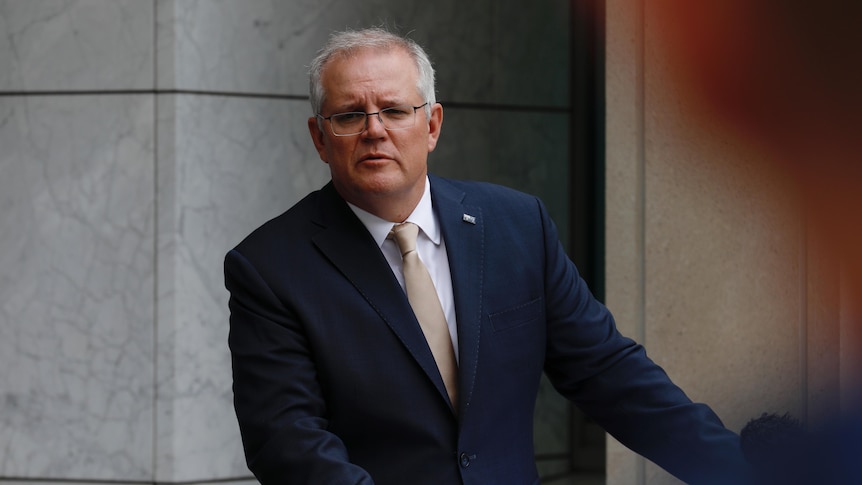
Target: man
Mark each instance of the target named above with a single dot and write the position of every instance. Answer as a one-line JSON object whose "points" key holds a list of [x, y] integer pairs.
{"points": [[340, 375]]}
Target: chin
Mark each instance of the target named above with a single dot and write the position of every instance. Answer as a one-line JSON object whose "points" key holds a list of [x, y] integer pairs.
{"points": [[382, 182]]}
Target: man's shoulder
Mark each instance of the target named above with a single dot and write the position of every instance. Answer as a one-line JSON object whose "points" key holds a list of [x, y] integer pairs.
{"points": [[489, 196], [292, 225], [478, 191]]}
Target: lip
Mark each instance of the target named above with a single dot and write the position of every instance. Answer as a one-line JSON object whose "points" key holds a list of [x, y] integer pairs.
{"points": [[375, 157]]}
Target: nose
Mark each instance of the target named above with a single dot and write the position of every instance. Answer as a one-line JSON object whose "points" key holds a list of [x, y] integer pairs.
{"points": [[374, 127]]}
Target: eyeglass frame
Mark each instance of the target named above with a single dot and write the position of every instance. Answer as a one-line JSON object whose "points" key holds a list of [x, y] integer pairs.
{"points": [[366, 114]]}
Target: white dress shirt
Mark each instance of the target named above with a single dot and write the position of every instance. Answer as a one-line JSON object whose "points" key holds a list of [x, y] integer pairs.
{"points": [[429, 245]]}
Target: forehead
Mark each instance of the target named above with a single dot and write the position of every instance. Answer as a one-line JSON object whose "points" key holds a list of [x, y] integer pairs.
{"points": [[369, 72]]}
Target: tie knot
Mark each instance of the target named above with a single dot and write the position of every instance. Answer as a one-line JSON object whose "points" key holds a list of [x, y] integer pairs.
{"points": [[405, 236]]}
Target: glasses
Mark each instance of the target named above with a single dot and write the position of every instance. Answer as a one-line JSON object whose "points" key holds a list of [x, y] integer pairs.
{"points": [[355, 122]]}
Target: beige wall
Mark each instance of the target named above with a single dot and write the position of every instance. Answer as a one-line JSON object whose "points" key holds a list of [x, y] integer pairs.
{"points": [[707, 262]]}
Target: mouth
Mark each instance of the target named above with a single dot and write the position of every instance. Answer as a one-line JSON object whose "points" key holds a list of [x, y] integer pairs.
{"points": [[375, 157]]}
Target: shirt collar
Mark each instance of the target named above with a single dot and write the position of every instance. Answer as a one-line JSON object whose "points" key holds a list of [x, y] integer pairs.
{"points": [[423, 216]]}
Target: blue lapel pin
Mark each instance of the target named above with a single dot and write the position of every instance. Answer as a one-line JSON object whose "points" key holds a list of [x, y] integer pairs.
{"points": [[468, 218]]}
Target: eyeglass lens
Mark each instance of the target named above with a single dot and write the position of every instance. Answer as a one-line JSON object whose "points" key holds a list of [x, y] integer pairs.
{"points": [[353, 123]]}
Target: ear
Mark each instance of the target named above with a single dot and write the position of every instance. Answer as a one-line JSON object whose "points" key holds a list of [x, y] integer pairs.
{"points": [[317, 136], [435, 124]]}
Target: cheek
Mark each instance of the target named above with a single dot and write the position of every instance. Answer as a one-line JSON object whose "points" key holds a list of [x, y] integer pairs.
{"points": [[417, 147], [413, 156], [338, 152]]}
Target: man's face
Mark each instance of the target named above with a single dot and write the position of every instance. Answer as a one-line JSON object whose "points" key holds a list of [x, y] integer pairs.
{"points": [[376, 168]]}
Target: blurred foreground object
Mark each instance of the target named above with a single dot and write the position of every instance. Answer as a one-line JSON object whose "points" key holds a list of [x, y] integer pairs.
{"points": [[786, 78]]}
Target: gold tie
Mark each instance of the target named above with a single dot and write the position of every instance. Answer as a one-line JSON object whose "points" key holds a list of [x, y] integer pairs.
{"points": [[426, 305]]}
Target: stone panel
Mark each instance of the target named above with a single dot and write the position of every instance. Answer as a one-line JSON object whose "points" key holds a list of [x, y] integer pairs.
{"points": [[226, 166], [483, 51], [76, 287], [74, 45]]}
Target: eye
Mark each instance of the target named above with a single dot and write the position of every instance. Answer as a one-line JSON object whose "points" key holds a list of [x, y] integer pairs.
{"points": [[352, 117], [397, 112]]}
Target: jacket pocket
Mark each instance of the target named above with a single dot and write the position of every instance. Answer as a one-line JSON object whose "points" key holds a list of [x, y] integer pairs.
{"points": [[518, 316]]}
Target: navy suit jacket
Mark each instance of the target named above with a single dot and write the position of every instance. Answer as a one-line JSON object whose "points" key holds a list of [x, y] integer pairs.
{"points": [[334, 382]]}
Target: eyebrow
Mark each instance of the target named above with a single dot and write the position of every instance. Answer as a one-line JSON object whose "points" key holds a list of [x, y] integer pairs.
{"points": [[351, 108]]}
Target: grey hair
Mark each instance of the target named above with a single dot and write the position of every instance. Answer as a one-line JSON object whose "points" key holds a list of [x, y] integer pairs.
{"points": [[350, 41]]}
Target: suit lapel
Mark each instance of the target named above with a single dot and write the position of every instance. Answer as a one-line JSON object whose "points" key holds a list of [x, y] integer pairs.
{"points": [[345, 241], [463, 231]]}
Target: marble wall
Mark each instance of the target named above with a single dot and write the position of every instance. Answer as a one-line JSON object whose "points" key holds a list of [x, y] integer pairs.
{"points": [[143, 139], [77, 231]]}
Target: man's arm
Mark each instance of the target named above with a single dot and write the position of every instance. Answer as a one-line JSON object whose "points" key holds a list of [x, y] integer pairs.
{"points": [[611, 378], [277, 397]]}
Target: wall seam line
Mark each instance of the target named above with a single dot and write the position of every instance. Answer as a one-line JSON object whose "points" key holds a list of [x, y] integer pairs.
{"points": [[640, 100], [156, 145]]}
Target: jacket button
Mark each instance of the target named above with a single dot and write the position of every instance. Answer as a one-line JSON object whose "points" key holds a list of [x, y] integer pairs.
{"points": [[465, 460]]}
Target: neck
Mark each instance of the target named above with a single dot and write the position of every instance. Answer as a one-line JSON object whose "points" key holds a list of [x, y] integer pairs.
{"points": [[391, 207], [391, 210]]}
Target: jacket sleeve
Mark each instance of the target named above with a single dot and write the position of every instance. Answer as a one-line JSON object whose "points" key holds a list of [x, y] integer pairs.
{"points": [[612, 380], [277, 397]]}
